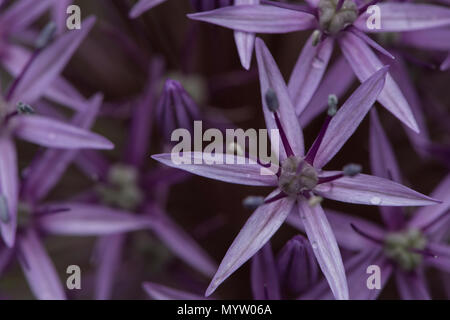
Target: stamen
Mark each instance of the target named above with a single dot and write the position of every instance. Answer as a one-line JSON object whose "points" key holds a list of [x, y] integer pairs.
{"points": [[339, 5], [332, 109], [276, 197], [273, 105], [425, 252], [366, 235], [252, 202]]}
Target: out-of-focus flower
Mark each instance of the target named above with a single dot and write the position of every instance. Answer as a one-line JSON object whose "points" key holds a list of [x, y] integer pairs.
{"points": [[126, 189], [343, 21], [43, 174], [300, 179], [17, 121], [404, 247]]}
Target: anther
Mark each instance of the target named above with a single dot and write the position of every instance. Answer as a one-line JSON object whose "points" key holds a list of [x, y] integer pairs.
{"points": [[272, 100], [252, 202], [332, 109], [46, 35], [23, 108], [352, 169], [316, 36], [273, 105]]}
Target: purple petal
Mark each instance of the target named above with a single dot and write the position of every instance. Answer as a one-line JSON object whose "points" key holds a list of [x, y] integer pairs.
{"points": [[181, 243], [39, 270], [434, 39], [108, 261], [346, 237], [264, 275], [87, 220], [356, 268], [258, 19], [49, 64], [45, 172], [60, 91], [143, 118], [160, 292], [297, 265], [325, 247], [308, 71], [412, 286], [426, 216], [399, 17], [245, 41], [336, 81], [401, 75], [143, 5], [442, 259], [349, 116], [246, 174], [56, 134], [258, 229], [59, 14], [9, 189], [23, 13], [384, 165], [364, 63], [271, 78], [371, 190]]}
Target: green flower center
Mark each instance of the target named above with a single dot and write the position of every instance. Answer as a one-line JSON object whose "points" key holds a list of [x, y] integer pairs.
{"points": [[401, 246], [297, 176], [122, 190], [332, 20]]}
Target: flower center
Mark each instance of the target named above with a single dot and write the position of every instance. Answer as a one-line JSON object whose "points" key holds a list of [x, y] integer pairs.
{"points": [[404, 248], [335, 15], [122, 190], [297, 176]]}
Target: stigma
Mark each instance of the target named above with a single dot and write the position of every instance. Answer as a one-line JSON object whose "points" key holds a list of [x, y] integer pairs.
{"points": [[297, 176], [336, 15]]}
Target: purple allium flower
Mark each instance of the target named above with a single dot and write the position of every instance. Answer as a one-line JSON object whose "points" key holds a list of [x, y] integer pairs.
{"points": [[127, 198], [403, 247], [300, 178], [333, 20], [31, 215], [16, 121]]}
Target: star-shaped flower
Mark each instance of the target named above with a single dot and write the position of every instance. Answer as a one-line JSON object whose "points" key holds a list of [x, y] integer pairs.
{"points": [[300, 179], [339, 21]]}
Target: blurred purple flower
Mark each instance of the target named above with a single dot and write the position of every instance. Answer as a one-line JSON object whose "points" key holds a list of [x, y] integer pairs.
{"points": [[127, 197], [404, 247], [300, 179], [44, 65]]}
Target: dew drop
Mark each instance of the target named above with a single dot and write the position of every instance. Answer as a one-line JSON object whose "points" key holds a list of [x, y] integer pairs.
{"points": [[375, 200], [314, 245]]}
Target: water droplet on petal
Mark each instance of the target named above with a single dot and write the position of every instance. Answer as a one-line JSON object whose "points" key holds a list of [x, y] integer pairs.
{"points": [[318, 63], [314, 245], [375, 200]]}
